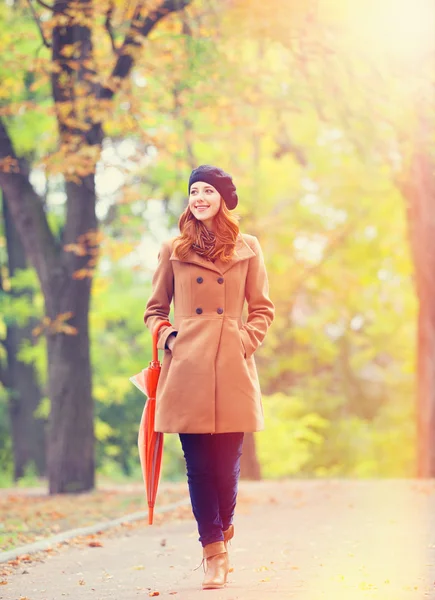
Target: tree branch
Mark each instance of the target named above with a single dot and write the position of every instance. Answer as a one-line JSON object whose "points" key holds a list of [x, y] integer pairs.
{"points": [[139, 27], [109, 28], [38, 23], [47, 6]]}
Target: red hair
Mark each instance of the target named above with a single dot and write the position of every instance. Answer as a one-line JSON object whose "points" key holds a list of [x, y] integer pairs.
{"points": [[192, 230]]}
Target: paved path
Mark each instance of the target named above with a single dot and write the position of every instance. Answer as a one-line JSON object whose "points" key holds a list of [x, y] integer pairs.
{"points": [[302, 540]]}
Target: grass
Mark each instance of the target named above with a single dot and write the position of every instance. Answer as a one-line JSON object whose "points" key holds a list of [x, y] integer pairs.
{"points": [[31, 515]]}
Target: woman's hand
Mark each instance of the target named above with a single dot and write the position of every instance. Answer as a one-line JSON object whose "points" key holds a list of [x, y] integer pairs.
{"points": [[171, 341]]}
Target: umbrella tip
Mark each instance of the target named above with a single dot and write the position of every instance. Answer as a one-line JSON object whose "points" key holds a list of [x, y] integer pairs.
{"points": [[150, 515]]}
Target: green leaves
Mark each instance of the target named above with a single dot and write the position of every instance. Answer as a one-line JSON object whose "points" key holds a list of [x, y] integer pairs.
{"points": [[291, 433]]}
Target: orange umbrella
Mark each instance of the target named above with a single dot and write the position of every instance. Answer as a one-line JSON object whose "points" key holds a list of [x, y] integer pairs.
{"points": [[150, 442]]}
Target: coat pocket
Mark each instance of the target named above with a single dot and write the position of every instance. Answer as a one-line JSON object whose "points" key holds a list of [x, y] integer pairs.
{"points": [[171, 352], [242, 344]]}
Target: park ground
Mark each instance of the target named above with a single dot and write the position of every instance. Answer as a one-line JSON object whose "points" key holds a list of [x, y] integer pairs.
{"points": [[299, 539]]}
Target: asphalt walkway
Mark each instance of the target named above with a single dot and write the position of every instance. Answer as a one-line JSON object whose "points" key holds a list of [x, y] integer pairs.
{"points": [[304, 540]]}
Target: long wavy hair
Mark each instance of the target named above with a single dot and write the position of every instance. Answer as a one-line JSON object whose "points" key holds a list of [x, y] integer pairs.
{"points": [[194, 233]]}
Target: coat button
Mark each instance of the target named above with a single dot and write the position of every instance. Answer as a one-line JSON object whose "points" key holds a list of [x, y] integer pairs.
{"points": [[199, 279], [220, 280], [220, 311], [199, 311]]}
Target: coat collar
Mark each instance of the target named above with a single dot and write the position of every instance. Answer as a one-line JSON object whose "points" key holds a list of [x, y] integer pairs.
{"points": [[242, 252]]}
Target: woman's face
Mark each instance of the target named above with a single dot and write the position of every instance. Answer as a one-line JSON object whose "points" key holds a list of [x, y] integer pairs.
{"points": [[204, 202]]}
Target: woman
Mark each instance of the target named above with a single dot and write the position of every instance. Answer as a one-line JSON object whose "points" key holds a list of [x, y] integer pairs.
{"points": [[208, 390]]}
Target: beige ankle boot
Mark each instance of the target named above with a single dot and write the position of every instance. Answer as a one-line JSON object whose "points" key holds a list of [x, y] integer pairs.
{"points": [[216, 566]]}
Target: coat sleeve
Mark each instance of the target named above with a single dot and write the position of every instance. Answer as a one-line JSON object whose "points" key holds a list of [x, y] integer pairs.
{"points": [[159, 304], [261, 310]]}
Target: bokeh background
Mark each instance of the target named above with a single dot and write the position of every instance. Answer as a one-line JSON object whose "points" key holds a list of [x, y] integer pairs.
{"points": [[323, 114]]}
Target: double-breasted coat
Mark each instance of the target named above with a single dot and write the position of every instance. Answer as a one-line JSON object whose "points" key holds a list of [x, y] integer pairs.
{"points": [[209, 382]]}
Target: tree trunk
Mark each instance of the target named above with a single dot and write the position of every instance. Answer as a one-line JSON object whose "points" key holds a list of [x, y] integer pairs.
{"points": [[71, 461], [249, 465], [28, 432], [71, 433], [419, 190]]}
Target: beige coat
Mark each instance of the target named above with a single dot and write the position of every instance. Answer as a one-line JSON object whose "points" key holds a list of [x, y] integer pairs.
{"points": [[209, 383]]}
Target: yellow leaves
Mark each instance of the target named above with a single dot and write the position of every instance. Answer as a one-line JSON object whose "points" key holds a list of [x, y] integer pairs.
{"points": [[78, 124], [75, 159], [114, 83], [119, 249], [87, 245], [74, 17], [102, 394], [64, 109], [114, 393], [58, 325], [70, 49], [40, 82], [83, 273], [77, 249], [103, 430], [10, 87]]}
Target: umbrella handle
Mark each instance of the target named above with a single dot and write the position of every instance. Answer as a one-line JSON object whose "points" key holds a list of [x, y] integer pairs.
{"points": [[155, 338]]}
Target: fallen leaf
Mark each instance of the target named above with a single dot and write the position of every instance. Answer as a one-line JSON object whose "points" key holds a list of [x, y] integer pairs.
{"points": [[82, 582], [25, 557], [95, 544], [154, 594]]}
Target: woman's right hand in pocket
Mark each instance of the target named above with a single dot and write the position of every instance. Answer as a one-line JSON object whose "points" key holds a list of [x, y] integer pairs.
{"points": [[171, 341]]}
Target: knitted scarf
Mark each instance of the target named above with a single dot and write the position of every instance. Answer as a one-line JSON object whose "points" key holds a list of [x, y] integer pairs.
{"points": [[205, 242]]}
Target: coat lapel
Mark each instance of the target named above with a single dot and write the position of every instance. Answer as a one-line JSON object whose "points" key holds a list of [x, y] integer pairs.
{"points": [[242, 252]]}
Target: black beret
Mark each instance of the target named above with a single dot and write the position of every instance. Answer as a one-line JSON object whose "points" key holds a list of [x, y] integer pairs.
{"points": [[219, 180]]}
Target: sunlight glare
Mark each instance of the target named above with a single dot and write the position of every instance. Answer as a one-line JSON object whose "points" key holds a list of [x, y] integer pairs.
{"points": [[403, 28]]}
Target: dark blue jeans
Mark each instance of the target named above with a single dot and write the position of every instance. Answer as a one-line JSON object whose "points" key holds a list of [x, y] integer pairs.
{"points": [[213, 469]]}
